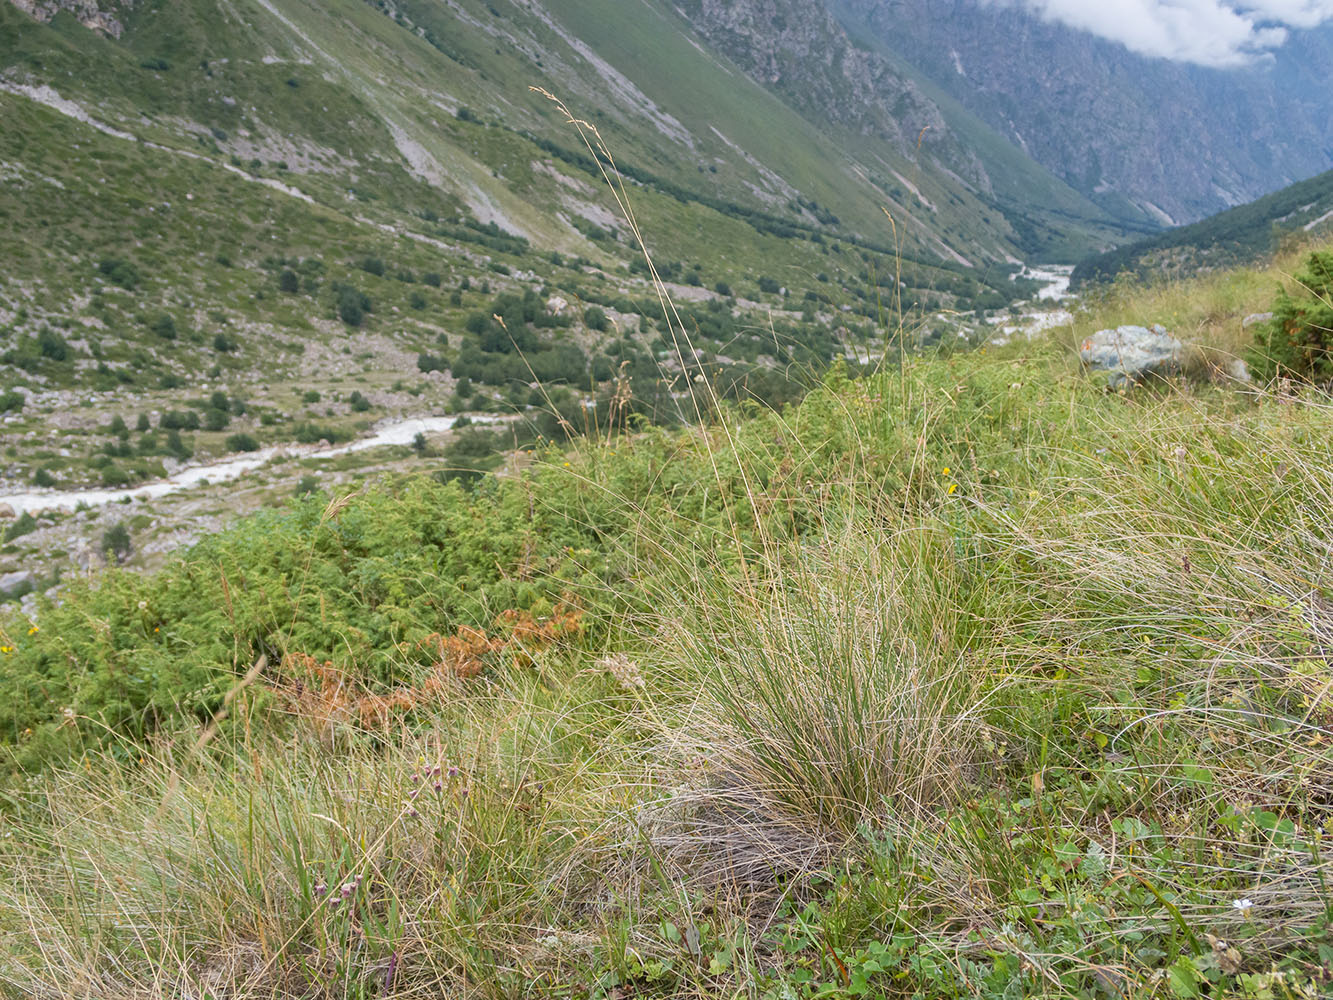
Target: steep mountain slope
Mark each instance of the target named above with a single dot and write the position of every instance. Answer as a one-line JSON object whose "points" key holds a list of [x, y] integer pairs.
{"points": [[863, 95], [673, 109], [239, 224], [1238, 235], [1094, 113]]}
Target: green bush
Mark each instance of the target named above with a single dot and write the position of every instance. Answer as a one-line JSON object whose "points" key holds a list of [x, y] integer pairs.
{"points": [[314, 433], [1298, 340], [52, 346], [594, 317], [164, 325], [113, 476], [432, 363], [12, 401], [394, 567], [242, 442], [353, 304], [116, 542], [179, 420], [177, 446], [120, 272], [26, 524]]}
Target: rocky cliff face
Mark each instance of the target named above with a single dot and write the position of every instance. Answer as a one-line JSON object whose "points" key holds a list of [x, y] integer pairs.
{"points": [[1176, 140], [799, 50], [100, 16]]}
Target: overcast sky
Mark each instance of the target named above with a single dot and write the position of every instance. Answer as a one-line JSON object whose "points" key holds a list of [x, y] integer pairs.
{"points": [[1208, 32]]}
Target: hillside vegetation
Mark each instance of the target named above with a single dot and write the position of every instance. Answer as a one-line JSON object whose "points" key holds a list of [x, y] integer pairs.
{"points": [[966, 677], [245, 226], [1244, 234]]}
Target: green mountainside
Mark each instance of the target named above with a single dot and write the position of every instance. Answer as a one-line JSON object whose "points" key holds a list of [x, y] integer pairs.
{"points": [[265, 224], [283, 200], [1238, 235], [382, 87]]}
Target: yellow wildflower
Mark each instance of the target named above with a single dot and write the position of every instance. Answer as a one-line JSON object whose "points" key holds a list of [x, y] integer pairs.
{"points": [[953, 488]]}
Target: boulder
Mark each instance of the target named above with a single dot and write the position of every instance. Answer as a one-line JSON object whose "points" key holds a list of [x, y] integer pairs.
{"points": [[1254, 319], [16, 584], [7, 512], [1131, 353]]}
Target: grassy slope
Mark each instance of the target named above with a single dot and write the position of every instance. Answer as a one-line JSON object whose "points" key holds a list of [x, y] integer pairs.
{"points": [[966, 679], [374, 76]]}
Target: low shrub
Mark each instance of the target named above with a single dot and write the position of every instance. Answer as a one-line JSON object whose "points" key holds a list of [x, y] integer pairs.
{"points": [[242, 442], [1298, 341]]}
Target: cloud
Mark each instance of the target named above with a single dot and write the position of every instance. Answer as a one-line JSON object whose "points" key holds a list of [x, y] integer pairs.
{"points": [[1222, 33]]}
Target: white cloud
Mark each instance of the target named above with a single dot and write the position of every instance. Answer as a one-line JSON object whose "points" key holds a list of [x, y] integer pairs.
{"points": [[1208, 32]]}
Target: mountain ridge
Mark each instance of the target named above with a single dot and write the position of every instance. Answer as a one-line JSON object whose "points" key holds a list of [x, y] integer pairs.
{"points": [[1090, 110]]}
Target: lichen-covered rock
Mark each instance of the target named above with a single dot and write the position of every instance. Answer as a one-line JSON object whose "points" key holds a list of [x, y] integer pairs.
{"points": [[1131, 353]]}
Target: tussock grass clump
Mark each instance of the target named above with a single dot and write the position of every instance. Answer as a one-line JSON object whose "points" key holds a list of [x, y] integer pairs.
{"points": [[836, 689], [414, 863]]}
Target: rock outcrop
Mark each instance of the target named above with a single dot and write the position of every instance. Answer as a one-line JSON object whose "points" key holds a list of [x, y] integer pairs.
{"points": [[95, 14], [800, 51], [1133, 353]]}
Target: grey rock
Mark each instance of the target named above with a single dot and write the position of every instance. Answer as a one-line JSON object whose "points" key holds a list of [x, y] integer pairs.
{"points": [[7, 512], [1254, 319], [1131, 353], [16, 584]]}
